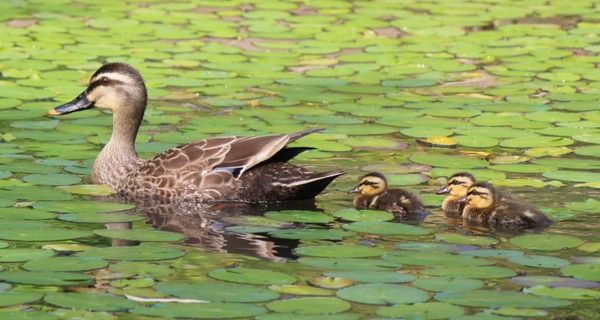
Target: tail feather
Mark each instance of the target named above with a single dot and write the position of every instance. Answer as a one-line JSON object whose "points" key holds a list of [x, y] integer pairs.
{"points": [[300, 134], [310, 187]]}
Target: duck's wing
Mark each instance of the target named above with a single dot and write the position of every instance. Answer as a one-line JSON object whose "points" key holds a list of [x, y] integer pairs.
{"points": [[234, 155]]}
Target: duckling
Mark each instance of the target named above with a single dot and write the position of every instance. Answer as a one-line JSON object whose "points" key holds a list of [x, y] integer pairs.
{"points": [[221, 169], [373, 193], [485, 206], [456, 187]]}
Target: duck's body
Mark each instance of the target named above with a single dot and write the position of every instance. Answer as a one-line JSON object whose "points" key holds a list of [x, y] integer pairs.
{"points": [[485, 206], [372, 193], [240, 169]]}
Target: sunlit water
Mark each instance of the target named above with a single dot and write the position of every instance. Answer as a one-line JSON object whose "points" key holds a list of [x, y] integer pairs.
{"points": [[416, 90]]}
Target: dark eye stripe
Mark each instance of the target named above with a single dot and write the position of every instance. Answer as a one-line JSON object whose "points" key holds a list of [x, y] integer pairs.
{"points": [[455, 182], [103, 82], [368, 183]]}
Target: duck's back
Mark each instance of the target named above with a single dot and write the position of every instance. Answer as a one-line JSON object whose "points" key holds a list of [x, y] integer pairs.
{"points": [[518, 214], [402, 203]]}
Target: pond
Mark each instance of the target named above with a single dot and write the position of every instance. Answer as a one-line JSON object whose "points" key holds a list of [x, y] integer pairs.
{"points": [[508, 91]]}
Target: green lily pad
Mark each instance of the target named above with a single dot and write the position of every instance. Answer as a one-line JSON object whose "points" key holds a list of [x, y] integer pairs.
{"points": [[474, 272], [299, 216], [427, 310], [137, 253], [310, 305], [495, 298], [295, 316], [311, 234], [89, 189], [448, 284], [546, 242], [349, 264], [251, 276], [339, 251], [25, 214], [46, 278], [10, 298], [372, 276], [301, 290], [52, 179], [437, 260], [519, 312], [65, 264], [82, 206], [385, 228], [23, 254], [217, 292], [467, 240], [200, 310], [47, 234], [141, 235], [382, 293], [583, 271], [539, 261], [445, 161], [100, 217], [92, 301], [564, 293], [363, 215], [573, 176]]}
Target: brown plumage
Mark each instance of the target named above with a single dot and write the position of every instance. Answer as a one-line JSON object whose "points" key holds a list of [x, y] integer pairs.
{"points": [[484, 206], [372, 193], [239, 169]]}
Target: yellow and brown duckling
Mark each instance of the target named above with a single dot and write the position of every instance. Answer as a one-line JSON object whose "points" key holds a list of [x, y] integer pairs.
{"points": [[213, 170], [485, 206], [456, 187], [372, 193]]}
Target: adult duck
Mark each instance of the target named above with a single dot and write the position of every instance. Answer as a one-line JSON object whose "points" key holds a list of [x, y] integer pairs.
{"points": [[221, 169]]}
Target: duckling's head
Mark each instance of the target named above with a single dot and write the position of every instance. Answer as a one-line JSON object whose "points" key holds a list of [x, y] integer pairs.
{"points": [[371, 184], [457, 184], [481, 195], [115, 86]]}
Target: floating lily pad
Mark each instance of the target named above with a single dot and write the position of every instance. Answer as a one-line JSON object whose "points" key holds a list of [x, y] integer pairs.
{"points": [[311, 234], [310, 306], [478, 272], [445, 161], [82, 206], [428, 310], [382, 293], [363, 215], [468, 240], [301, 290], [52, 179], [564, 293], [46, 278], [251, 276], [385, 228], [299, 216], [372, 276], [100, 217], [546, 242], [448, 284], [583, 271], [340, 251], [25, 214], [217, 292], [295, 316], [539, 261], [495, 298], [93, 301], [137, 253], [438, 259], [574, 176], [554, 282], [9, 298], [65, 264], [141, 235], [200, 310], [349, 264], [46, 234]]}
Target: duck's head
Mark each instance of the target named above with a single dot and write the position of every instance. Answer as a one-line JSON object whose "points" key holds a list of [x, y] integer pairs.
{"points": [[370, 184], [115, 86], [481, 195], [457, 184]]}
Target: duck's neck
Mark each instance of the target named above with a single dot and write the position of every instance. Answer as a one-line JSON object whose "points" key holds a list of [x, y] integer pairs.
{"points": [[118, 158]]}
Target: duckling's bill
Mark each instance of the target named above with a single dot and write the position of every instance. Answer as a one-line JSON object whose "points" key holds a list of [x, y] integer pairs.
{"points": [[354, 190], [443, 190], [77, 104]]}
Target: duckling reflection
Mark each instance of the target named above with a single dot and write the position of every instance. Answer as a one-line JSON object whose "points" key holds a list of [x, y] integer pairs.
{"points": [[372, 193], [485, 206]]}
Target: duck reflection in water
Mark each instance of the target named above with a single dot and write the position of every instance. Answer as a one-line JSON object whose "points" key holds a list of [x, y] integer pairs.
{"points": [[206, 228]]}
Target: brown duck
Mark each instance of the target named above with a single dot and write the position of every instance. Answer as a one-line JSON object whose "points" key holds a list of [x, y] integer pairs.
{"points": [[221, 169], [485, 206], [372, 193]]}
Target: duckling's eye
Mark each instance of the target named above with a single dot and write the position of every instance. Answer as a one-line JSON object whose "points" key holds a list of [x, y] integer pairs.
{"points": [[104, 80]]}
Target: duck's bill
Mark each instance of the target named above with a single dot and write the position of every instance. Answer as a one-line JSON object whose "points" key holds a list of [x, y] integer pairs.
{"points": [[79, 103], [354, 190], [442, 190]]}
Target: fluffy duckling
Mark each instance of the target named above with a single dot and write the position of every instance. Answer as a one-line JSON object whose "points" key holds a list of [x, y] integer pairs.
{"points": [[373, 193], [485, 206], [456, 187]]}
